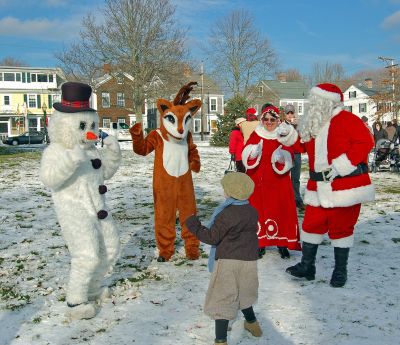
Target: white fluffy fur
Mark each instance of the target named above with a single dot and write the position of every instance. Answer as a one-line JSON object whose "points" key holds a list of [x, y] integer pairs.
{"points": [[287, 161], [66, 169], [343, 165], [172, 129], [345, 242], [175, 156], [311, 238], [333, 96], [249, 153]]}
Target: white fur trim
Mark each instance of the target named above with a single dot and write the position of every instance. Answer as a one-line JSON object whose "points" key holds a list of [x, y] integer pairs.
{"points": [[246, 154], [321, 149], [345, 242], [311, 238], [263, 133], [290, 139], [311, 198], [333, 96], [327, 198], [343, 165], [287, 158]]}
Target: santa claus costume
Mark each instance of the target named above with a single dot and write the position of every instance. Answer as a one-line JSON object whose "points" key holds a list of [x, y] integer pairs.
{"points": [[268, 164], [337, 143]]}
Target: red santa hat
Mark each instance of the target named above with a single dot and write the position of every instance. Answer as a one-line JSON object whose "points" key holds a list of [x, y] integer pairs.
{"points": [[328, 91], [270, 109], [251, 111]]}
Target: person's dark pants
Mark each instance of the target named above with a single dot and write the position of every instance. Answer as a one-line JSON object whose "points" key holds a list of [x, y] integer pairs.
{"points": [[221, 325], [240, 167], [295, 176]]}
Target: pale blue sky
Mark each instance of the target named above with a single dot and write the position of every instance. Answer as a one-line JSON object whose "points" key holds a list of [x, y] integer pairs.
{"points": [[350, 32]]}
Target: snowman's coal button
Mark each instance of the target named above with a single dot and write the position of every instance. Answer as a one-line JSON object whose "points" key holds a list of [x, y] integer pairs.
{"points": [[96, 163], [102, 189], [102, 214]]}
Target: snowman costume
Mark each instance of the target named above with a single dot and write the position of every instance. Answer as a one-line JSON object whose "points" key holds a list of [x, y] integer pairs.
{"points": [[75, 171]]}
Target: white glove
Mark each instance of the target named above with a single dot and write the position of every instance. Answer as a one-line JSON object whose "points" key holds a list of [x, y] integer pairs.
{"points": [[332, 174], [111, 143], [278, 156], [256, 150], [284, 129], [77, 155]]}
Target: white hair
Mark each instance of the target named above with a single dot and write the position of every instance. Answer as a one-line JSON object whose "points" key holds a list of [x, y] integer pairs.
{"points": [[319, 111], [64, 128]]}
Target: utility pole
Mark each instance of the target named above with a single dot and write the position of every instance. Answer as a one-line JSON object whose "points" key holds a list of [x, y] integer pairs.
{"points": [[202, 102], [390, 64]]}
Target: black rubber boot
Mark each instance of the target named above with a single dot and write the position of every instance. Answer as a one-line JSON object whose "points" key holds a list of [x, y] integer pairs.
{"points": [[284, 253], [339, 275], [305, 268]]}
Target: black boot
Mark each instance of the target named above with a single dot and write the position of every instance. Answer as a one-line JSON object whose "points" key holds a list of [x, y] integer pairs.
{"points": [[339, 275], [305, 268], [283, 251]]}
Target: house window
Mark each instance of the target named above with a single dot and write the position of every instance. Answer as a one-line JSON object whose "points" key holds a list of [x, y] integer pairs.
{"points": [[121, 120], [300, 107], [120, 79], [18, 76], [260, 90], [39, 77], [352, 94], [32, 101], [9, 76], [106, 122], [105, 99], [349, 108], [1, 76], [213, 104], [6, 100], [362, 107], [120, 99], [197, 125], [51, 78], [33, 77]]}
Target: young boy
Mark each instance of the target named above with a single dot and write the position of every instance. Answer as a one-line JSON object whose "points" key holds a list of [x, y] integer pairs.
{"points": [[234, 281]]}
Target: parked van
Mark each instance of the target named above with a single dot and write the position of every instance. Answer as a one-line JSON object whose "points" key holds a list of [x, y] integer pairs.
{"points": [[120, 130]]}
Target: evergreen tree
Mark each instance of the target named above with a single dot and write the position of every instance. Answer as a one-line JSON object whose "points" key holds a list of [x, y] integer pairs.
{"points": [[235, 108]]}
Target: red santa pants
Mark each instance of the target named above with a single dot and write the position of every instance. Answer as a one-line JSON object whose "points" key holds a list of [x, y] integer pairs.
{"points": [[338, 222]]}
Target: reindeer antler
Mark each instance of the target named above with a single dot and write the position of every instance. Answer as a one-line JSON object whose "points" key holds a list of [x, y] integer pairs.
{"points": [[183, 94]]}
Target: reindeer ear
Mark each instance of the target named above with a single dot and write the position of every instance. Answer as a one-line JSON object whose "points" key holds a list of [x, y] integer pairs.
{"points": [[193, 106], [163, 105]]}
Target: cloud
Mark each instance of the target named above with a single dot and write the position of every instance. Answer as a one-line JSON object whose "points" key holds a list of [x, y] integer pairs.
{"points": [[40, 28], [306, 30], [391, 21]]}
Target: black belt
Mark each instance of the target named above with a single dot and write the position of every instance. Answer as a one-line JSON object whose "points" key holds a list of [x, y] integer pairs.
{"points": [[362, 168]]}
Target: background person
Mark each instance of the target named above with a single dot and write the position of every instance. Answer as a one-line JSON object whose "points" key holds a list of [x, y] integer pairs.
{"points": [[236, 145], [295, 172], [251, 123], [379, 132]]}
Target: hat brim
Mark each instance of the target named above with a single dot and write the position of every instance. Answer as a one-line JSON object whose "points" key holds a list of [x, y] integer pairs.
{"points": [[66, 109]]}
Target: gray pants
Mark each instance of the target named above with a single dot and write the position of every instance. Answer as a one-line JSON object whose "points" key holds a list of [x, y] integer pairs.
{"points": [[295, 176]]}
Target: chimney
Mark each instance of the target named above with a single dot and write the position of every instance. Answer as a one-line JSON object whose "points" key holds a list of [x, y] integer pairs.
{"points": [[281, 77], [368, 83], [107, 68]]}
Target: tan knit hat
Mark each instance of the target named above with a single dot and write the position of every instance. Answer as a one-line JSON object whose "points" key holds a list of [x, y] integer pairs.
{"points": [[237, 185]]}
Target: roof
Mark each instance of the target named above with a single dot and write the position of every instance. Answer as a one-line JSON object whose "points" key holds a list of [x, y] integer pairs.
{"points": [[289, 89]]}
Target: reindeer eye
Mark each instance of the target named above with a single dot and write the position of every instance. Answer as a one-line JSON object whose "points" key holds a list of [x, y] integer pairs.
{"points": [[187, 119], [82, 125], [170, 118]]}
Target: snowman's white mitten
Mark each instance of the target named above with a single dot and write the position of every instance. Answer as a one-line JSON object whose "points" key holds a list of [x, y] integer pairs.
{"points": [[111, 143]]}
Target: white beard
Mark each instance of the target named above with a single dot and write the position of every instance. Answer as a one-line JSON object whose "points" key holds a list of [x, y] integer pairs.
{"points": [[319, 112]]}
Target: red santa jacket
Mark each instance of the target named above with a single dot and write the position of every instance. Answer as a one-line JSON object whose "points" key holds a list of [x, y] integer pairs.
{"points": [[236, 143], [343, 143]]}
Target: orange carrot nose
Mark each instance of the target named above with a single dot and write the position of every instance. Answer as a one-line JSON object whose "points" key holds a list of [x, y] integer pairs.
{"points": [[91, 136]]}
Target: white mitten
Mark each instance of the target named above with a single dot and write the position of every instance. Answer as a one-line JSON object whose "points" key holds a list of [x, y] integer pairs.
{"points": [[332, 174], [284, 129], [277, 156], [111, 143], [77, 155], [258, 150]]}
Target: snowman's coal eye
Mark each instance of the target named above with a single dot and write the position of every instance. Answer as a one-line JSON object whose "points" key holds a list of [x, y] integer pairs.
{"points": [[93, 126], [82, 125]]}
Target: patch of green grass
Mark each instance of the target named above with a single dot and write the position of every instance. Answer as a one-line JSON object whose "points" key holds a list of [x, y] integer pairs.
{"points": [[390, 190], [14, 157]]}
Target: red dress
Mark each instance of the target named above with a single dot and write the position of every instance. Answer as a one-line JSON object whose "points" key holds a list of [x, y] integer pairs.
{"points": [[273, 196]]}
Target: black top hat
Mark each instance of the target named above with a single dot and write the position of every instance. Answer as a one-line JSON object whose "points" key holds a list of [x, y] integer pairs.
{"points": [[74, 98]]}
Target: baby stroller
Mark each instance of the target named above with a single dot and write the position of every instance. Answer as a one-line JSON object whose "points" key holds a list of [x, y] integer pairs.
{"points": [[386, 156]]}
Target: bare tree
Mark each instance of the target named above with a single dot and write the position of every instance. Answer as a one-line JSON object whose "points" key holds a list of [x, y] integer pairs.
{"points": [[12, 61], [239, 53], [139, 37], [327, 73]]}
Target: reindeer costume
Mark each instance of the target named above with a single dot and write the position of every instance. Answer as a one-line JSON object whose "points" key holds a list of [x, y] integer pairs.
{"points": [[176, 157]]}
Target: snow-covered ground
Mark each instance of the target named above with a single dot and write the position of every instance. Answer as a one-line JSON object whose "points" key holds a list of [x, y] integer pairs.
{"points": [[161, 303]]}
